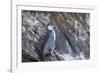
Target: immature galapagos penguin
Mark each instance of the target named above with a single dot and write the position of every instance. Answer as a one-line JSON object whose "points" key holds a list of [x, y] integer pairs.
{"points": [[49, 44]]}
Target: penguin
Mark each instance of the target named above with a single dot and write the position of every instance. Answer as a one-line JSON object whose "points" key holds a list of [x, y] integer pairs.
{"points": [[49, 44]]}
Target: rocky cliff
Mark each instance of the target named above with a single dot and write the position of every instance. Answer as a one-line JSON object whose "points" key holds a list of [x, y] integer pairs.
{"points": [[72, 35]]}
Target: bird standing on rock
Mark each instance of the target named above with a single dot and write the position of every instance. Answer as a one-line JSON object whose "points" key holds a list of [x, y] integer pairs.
{"points": [[49, 44]]}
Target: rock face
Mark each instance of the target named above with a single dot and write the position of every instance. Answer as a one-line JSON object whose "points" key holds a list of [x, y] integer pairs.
{"points": [[72, 35]]}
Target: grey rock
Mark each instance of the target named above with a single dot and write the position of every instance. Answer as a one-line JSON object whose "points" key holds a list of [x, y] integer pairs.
{"points": [[72, 35]]}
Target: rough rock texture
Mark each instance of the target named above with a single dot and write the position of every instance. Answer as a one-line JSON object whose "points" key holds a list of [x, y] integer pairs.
{"points": [[73, 35]]}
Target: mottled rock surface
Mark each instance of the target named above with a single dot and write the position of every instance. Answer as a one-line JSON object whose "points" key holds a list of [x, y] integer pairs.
{"points": [[72, 35]]}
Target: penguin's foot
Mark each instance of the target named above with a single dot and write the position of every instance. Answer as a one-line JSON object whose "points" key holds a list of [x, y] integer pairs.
{"points": [[52, 53]]}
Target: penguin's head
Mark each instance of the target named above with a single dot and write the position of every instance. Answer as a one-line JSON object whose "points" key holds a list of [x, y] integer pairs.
{"points": [[51, 27]]}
